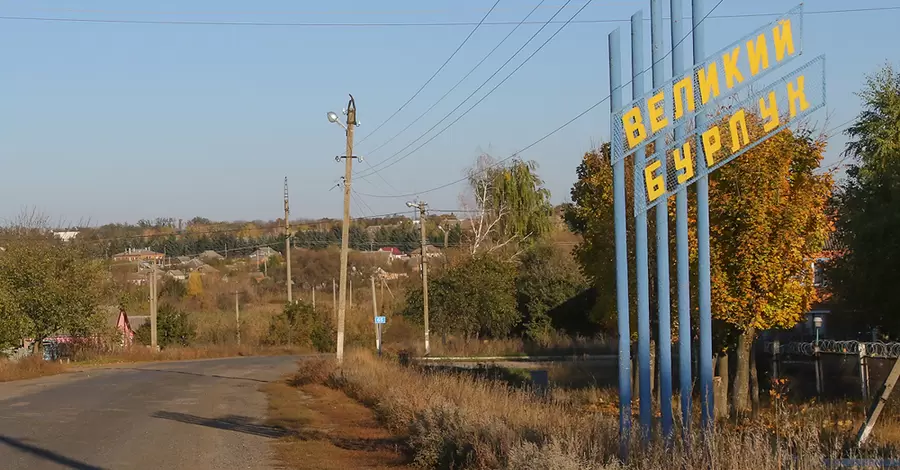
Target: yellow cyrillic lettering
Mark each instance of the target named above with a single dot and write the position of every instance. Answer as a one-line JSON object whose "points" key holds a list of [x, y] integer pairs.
{"points": [[758, 54], [730, 67], [634, 127], [656, 185], [783, 39], [684, 162], [657, 113], [769, 112], [797, 95], [684, 93], [712, 143], [709, 83], [739, 118]]}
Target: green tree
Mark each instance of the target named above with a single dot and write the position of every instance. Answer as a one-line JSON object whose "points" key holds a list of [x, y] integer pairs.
{"points": [[173, 328], [548, 276], [512, 204], [867, 222], [301, 324], [476, 298], [49, 287]]}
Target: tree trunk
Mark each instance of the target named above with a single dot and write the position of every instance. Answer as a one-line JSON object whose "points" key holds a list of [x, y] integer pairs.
{"points": [[723, 373], [754, 384], [741, 386]]}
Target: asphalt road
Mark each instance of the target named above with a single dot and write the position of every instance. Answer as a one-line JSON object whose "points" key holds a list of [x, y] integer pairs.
{"points": [[169, 415]]}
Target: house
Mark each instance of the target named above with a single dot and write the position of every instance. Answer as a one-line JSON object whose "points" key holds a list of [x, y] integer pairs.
{"points": [[137, 279], [194, 264], [393, 252], [66, 236], [431, 251], [183, 259], [176, 274], [210, 255], [263, 253], [135, 254], [118, 320]]}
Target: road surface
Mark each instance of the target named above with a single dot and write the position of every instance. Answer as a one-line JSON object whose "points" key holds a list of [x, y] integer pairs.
{"points": [[205, 414]]}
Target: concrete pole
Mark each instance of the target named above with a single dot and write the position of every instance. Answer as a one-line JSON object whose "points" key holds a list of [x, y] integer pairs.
{"points": [[237, 318], [375, 314], [287, 242], [424, 276], [153, 334], [622, 307], [345, 229]]}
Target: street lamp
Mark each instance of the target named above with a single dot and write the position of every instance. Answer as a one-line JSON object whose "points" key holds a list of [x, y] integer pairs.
{"points": [[817, 321], [333, 117]]}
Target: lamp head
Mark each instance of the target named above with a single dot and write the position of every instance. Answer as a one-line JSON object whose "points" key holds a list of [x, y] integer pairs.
{"points": [[411, 204], [332, 116]]}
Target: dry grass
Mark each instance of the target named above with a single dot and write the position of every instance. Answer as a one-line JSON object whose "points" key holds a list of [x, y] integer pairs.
{"points": [[456, 421], [28, 368]]}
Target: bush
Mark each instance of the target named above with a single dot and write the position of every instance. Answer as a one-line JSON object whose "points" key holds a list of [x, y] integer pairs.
{"points": [[301, 324], [172, 326]]}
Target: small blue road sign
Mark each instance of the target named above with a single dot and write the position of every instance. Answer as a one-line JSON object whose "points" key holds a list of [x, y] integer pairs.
{"points": [[380, 320]]}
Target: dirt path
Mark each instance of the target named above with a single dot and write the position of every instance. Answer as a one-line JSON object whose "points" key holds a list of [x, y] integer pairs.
{"points": [[328, 430]]}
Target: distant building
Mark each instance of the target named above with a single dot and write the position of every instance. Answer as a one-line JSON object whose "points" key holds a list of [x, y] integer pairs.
{"points": [[210, 255], [182, 259], [137, 279], [194, 264], [263, 254], [138, 254], [176, 274], [431, 251], [66, 236]]}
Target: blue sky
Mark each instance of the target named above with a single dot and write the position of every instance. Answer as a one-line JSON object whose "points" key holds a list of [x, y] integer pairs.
{"points": [[117, 122]]}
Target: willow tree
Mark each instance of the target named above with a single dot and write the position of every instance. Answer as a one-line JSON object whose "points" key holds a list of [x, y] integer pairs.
{"points": [[511, 204]]}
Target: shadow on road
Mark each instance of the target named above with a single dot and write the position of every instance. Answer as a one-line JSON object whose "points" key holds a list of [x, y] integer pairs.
{"points": [[249, 379], [242, 424], [47, 454]]}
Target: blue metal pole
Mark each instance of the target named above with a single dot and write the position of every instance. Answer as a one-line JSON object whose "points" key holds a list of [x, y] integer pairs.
{"points": [[622, 307], [704, 289], [640, 235], [681, 241], [664, 345]]}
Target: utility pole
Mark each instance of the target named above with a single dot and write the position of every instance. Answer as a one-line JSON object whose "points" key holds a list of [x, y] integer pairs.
{"points": [[334, 297], [153, 297], [446, 236], [314, 297], [345, 227], [422, 205], [287, 241], [350, 295], [375, 314], [237, 318]]}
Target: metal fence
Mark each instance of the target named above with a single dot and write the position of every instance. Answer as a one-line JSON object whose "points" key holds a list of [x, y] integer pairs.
{"points": [[831, 368]]}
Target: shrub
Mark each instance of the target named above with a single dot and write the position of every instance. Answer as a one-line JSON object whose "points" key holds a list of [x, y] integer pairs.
{"points": [[172, 326], [301, 324]]}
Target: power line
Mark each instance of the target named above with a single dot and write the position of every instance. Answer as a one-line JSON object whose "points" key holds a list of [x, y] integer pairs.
{"points": [[388, 159], [502, 41], [436, 72], [398, 24], [554, 131]]}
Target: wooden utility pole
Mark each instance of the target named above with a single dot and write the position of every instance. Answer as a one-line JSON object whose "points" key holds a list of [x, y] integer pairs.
{"points": [[153, 336], [334, 297], [287, 241], [877, 407], [237, 318], [314, 297], [375, 314], [345, 227], [350, 295], [424, 266]]}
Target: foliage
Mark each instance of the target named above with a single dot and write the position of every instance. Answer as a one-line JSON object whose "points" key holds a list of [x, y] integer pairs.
{"points": [[868, 223], [301, 324], [173, 328], [194, 284], [511, 203], [547, 278], [48, 287], [173, 288], [475, 298]]}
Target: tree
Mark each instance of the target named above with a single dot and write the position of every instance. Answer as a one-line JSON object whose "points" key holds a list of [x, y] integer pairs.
{"points": [[475, 298], [547, 278], [194, 284], [299, 323], [173, 327], [511, 204], [49, 287], [867, 222]]}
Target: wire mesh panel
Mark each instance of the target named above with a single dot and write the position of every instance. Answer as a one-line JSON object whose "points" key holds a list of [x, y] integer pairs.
{"points": [[725, 73], [730, 131]]}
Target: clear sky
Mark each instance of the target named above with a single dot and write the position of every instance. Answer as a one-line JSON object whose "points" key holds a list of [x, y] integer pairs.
{"points": [[113, 122]]}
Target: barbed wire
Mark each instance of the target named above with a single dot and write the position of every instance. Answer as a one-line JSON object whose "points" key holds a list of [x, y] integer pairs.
{"points": [[851, 347]]}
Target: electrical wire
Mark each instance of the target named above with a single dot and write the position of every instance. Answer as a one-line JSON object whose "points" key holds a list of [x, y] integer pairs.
{"points": [[398, 24], [384, 163], [436, 72], [458, 83], [554, 131]]}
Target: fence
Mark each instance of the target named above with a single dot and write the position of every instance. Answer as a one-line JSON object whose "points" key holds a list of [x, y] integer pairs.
{"points": [[831, 368]]}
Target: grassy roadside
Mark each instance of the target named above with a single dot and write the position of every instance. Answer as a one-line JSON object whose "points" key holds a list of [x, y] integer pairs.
{"points": [[325, 429], [33, 367], [459, 421]]}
